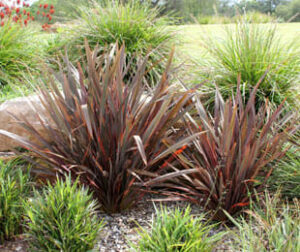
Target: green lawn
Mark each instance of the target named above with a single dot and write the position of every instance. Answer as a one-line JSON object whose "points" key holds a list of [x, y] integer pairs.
{"points": [[192, 35]]}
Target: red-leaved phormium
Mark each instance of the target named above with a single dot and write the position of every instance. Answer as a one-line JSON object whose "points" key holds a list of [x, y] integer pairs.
{"points": [[107, 129], [237, 145]]}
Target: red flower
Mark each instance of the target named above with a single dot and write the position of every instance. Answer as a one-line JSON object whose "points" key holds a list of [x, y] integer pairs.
{"points": [[24, 11], [25, 22], [28, 13], [17, 10], [50, 18], [38, 13], [48, 15], [2, 23], [2, 15], [32, 18], [41, 5], [44, 14], [52, 11], [18, 1], [51, 7], [45, 6]]}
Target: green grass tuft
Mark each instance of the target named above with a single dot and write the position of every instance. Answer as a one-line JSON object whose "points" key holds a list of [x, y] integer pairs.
{"points": [[252, 49], [177, 230], [62, 217], [286, 175], [271, 227], [19, 53], [14, 187], [139, 26]]}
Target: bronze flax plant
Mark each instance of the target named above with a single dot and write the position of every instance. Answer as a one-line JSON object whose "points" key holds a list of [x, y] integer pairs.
{"points": [[105, 130], [237, 145]]}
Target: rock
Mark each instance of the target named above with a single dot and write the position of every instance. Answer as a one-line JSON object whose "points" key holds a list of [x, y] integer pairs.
{"points": [[20, 107]]}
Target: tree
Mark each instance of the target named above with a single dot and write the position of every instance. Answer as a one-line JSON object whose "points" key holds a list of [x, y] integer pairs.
{"points": [[288, 10]]}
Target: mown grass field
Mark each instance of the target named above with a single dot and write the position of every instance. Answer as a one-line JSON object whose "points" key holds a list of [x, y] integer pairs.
{"points": [[191, 36]]}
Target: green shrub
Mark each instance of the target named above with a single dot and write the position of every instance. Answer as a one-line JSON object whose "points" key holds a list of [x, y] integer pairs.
{"points": [[177, 231], [286, 175], [289, 10], [271, 227], [104, 130], [251, 49], [19, 53], [14, 187], [137, 25], [62, 217]]}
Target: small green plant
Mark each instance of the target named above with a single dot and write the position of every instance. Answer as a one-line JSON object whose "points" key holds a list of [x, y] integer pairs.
{"points": [[270, 227], [286, 175], [249, 50], [14, 187], [137, 25], [177, 230], [62, 217]]}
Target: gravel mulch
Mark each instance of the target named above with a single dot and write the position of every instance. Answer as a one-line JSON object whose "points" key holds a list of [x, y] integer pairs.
{"points": [[7, 155], [121, 228], [18, 245]]}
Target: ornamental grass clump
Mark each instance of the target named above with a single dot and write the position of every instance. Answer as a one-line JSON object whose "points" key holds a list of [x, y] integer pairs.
{"points": [[249, 50], [235, 148], [62, 217], [14, 187], [137, 25], [286, 175], [271, 226], [178, 230], [18, 53], [104, 130]]}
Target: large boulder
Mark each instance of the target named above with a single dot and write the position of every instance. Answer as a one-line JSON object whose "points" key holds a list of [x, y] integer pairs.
{"points": [[19, 107]]}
